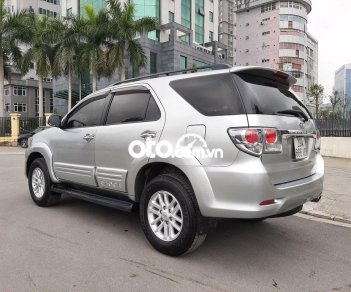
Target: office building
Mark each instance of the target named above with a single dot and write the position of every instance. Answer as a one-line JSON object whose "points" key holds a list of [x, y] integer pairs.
{"points": [[188, 37], [21, 92], [274, 34], [343, 82]]}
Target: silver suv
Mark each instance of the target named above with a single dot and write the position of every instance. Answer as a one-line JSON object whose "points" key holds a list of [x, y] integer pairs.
{"points": [[269, 163]]}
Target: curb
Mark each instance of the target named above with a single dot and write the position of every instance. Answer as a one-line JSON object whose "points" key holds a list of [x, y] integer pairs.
{"points": [[327, 217]]}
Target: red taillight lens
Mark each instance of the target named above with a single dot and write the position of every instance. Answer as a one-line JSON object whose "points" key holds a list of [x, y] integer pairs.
{"points": [[251, 136], [266, 203], [256, 141], [271, 136]]}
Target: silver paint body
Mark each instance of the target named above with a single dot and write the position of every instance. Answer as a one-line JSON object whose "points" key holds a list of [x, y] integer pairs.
{"points": [[230, 187]]}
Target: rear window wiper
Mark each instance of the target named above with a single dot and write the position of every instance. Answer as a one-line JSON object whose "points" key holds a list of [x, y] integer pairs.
{"points": [[294, 113]]}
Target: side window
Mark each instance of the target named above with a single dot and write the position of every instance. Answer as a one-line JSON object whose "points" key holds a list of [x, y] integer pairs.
{"points": [[213, 95], [131, 107], [88, 114], [153, 112]]}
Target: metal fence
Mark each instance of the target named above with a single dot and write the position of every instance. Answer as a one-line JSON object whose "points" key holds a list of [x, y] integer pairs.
{"points": [[334, 128], [27, 125], [5, 127]]}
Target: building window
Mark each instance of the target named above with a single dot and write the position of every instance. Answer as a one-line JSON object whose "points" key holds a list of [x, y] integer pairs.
{"points": [[211, 16], [265, 60], [19, 91], [186, 13], [51, 110], [183, 63], [31, 65], [6, 90], [199, 21], [268, 7], [7, 108], [170, 16], [20, 107], [69, 12], [210, 36], [153, 62], [266, 33]]}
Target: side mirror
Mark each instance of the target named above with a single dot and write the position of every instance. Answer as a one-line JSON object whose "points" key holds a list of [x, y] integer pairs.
{"points": [[55, 121]]}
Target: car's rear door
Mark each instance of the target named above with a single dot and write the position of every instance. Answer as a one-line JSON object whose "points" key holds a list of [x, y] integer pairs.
{"points": [[73, 148], [134, 114], [270, 104]]}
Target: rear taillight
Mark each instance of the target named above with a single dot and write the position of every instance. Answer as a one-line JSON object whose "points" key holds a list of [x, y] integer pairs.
{"points": [[317, 145], [256, 141]]}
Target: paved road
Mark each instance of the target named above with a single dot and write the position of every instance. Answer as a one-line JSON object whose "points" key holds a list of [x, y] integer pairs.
{"points": [[78, 246], [336, 199]]}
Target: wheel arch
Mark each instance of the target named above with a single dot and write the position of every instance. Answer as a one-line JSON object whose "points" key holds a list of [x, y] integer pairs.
{"points": [[150, 171], [41, 151]]}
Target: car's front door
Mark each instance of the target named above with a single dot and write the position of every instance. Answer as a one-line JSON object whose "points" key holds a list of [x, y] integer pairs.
{"points": [[73, 148], [134, 115]]}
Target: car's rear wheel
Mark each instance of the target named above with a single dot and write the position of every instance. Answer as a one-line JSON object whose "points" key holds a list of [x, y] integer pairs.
{"points": [[169, 215], [23, 143], [39, 183]]}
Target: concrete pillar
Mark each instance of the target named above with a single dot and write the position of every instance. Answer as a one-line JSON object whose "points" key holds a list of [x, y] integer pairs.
{"points": [[15, 125], [47, 116]]}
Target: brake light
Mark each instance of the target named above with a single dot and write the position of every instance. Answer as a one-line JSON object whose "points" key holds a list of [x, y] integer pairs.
{"points": [[318, 143], [251, 136], [281, 75], [256, 141], [271, 136]]}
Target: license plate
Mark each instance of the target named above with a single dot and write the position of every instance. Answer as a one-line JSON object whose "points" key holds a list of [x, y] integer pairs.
{"points": [[300, 147]]}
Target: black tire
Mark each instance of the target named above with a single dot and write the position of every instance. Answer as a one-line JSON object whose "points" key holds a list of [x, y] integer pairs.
{"points": [[189, 238], [48, 198], [23, 143]]}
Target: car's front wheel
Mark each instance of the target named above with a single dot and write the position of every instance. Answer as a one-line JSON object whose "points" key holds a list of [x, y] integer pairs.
{"points": [[39, 183], [169, 215]]}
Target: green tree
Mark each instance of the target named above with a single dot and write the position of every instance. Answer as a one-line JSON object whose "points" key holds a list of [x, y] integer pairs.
{"points": [[316, 93], [324, 114], [345, 105], [69, 52], [12, 32], [335, 100], [123, 32], [94, 42], [42, 51]]}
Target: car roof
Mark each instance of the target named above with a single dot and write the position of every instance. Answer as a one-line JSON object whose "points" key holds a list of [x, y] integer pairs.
{"points": [[280, 76]]}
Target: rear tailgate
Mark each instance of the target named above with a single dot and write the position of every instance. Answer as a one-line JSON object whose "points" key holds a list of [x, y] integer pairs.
{"points": [[270, 104]]}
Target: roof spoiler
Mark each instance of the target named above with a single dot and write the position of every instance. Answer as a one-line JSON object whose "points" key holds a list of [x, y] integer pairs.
{"points": [[274, 75]]}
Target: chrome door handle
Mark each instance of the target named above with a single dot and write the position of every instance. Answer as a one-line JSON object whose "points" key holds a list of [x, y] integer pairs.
{"points": [[148, 134], [89, 137]]}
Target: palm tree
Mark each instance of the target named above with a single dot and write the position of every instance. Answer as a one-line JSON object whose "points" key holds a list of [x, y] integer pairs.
{"points": [[12, 32], [42, 51], [69, 53], [316, 93], [123, 31], [335, 100], [95, 42]]}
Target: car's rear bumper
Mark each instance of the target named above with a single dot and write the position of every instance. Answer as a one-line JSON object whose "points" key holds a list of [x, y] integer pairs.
{"points": [[236, 191]]}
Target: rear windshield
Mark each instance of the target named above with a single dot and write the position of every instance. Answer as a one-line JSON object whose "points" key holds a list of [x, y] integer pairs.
{"points": [[264, 96], [211, 95]]}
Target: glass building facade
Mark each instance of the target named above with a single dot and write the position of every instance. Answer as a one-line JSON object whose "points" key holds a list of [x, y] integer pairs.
{"points": [[199, 21], [97, 4], [150, 8], [348, 84]]}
